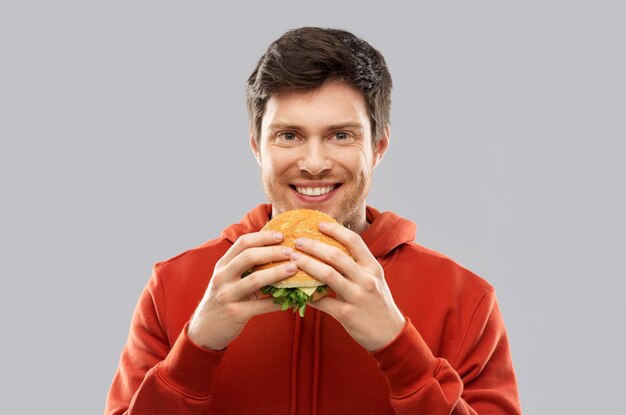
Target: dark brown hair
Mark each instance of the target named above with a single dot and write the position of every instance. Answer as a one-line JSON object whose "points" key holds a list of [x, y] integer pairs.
{"points": [[305, 58]]}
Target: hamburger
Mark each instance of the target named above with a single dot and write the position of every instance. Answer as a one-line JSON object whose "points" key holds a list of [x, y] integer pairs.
{"points": [[295, 291]]}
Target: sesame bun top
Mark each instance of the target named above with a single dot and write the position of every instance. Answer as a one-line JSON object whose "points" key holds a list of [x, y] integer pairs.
{"points": [[294, 224]]}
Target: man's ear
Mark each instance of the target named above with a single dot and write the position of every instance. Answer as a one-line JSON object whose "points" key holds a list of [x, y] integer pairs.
{"points": [[254, 146], [382, 145]]}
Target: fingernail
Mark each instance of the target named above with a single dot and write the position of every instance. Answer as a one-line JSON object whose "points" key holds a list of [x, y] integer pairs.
{"points": [[299, 243], [287, 251], [290, 267], [277, 235], [324, 225], [295, 256]]}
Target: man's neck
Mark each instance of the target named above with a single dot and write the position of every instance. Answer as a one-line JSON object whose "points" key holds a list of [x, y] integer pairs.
{"points": [[361, 226]]}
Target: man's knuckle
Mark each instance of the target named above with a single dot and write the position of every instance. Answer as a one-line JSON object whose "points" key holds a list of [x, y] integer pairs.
{"points": [[369, 285], [353, 238], [220, 297], [327, 273], [335, 255], [359, 297], [247, 256], [378, 269], [341, 313], [243, 241], [215, 285], [252, 279], [345, 314]]}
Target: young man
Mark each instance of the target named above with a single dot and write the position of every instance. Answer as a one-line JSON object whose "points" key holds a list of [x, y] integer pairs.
{"points": [[409, 330]]}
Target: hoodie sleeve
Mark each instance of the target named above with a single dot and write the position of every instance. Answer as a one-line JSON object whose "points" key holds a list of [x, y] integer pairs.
{"points": [[479, 380], [154, 377]]}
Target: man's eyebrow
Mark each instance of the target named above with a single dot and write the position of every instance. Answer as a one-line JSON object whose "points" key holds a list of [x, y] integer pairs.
{"points": [[339, 126], [282, 126], [346, 126]]}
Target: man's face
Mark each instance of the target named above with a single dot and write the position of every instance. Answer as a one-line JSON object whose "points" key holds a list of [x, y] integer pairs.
{"points": [[316, 152]]}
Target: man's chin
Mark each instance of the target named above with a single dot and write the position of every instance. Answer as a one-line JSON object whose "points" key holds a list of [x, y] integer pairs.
{"points": [[343, 209]]}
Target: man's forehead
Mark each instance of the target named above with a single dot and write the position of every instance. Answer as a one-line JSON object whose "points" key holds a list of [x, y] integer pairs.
{"points": [[332, 104]]}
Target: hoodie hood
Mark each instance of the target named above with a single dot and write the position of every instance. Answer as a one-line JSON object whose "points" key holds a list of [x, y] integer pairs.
{"points": [[385, 232]]}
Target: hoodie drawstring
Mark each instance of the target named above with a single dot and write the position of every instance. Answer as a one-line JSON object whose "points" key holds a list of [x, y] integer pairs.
{"points": [[316, 360], [294, 365]]}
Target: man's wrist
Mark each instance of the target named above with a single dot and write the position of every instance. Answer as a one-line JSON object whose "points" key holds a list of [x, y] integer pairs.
{"points": [[393, 332], [195, 335]]}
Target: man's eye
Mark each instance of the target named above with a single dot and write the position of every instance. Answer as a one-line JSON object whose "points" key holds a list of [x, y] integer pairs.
{"points": [[341, 136], [288, 136]]}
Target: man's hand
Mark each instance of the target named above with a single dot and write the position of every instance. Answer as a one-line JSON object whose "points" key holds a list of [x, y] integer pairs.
{"points": [[230, 300], [363, 305]]}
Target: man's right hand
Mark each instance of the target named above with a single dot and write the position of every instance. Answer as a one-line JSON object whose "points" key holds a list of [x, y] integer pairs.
{"points": [[230, 300]]}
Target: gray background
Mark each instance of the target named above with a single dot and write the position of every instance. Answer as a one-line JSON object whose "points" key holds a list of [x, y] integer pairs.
{"points": [[124, 142]]}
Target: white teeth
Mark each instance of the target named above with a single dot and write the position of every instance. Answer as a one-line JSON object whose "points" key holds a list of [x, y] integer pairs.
{"points": [[314, 191]]}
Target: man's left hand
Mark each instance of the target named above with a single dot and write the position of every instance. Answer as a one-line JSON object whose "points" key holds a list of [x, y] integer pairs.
{"points": [[364, 305]]}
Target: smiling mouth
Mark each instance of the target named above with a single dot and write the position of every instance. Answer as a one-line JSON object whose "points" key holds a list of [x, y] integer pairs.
{"points": [[314, 191]]}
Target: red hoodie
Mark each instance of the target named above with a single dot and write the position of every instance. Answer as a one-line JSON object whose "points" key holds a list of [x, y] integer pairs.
{"points": [[451, 358]]}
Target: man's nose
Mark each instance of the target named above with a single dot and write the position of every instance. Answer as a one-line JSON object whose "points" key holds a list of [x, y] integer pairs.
{"points": [[315, 158]]}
